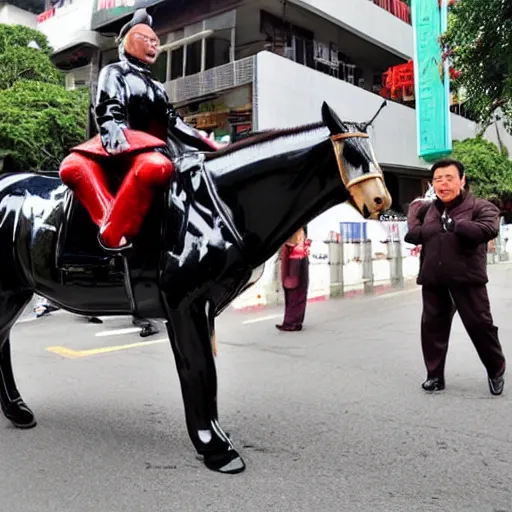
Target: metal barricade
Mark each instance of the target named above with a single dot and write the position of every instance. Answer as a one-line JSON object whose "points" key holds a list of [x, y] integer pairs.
{"points": [[335, 255], [367, 260], [396, 271]]}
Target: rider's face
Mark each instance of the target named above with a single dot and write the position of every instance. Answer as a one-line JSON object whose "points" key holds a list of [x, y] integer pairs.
{"points": [[142, 43]]}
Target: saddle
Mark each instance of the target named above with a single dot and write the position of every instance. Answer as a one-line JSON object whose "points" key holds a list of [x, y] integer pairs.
{"points": [[80, 257], [77, 242]]}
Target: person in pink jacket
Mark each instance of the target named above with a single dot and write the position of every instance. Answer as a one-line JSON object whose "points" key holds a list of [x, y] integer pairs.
{"points": [[295, 280]]}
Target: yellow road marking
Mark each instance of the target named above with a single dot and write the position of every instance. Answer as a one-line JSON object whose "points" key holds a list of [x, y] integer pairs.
{"points": [[69, 353]]}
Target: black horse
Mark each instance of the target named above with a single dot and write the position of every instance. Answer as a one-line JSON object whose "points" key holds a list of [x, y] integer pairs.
{"points": [[226, 213]]}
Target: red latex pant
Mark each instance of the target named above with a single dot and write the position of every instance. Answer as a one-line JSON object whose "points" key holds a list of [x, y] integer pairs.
{"points": [[120, 217]]}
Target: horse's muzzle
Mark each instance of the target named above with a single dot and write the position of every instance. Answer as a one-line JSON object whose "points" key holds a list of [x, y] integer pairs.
{"points": [[370, 195], [368, 191]]}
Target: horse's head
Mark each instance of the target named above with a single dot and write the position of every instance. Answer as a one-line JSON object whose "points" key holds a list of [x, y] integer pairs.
{"points": [[359, 169]]}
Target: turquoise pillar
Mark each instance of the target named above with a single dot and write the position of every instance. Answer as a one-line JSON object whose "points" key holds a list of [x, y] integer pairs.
{"points": [[431, 80]]}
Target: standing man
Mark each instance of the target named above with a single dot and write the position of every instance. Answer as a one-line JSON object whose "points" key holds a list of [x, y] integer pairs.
{"points": [[454, 230]]}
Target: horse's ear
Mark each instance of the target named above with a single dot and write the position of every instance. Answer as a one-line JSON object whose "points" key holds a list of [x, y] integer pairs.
{"points": [[332, 121]]}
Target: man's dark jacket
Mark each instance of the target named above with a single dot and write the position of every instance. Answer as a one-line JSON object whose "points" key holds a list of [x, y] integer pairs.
{"points": [[459, 256]]}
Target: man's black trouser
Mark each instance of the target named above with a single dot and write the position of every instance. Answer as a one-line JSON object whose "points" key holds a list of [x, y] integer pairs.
{"points": [[472, 303]]}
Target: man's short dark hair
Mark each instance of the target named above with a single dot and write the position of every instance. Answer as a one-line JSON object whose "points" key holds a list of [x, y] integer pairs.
{"points": [[447, 162]]}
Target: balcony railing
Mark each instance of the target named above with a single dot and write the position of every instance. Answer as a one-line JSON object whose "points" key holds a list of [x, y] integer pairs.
{"points": [[211, 81], [396, 7]]}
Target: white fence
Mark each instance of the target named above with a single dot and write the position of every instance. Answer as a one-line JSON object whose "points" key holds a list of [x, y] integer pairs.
{"points": [[342, 266]]}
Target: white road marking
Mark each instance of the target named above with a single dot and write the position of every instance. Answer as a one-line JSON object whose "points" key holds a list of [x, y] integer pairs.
{"points": [[115, 332], [114, 317], [25, 320], [393, 294], [261, 319]]}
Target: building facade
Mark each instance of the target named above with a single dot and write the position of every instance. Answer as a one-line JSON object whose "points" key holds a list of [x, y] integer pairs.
{"points": [[235, 66], [12, 15]]}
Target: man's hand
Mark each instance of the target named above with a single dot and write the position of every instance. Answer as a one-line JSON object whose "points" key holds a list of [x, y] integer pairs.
{"points": [[211, 138], [447, 222], [415, 217]]}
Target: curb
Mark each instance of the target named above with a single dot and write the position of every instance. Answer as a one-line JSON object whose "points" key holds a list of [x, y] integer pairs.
{"points": [[350, 294]]}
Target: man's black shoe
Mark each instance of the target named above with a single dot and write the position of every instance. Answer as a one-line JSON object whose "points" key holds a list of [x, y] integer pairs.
{"points": [[496, 385], [434, 384]]}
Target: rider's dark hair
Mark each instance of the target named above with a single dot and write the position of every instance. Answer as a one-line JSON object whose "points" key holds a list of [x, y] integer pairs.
{"points": [[446, 162]]}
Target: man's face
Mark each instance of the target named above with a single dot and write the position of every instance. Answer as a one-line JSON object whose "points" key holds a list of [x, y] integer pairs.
{"points": [[142, 43], [447, 183]]}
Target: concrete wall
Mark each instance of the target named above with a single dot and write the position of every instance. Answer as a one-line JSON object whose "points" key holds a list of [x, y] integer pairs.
{"points": [[289, 94], [367, 20], [11, 15], [70, 25], [370, 58]]}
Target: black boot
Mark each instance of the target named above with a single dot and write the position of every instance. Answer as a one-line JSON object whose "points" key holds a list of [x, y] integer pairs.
{"points": [[19, 414], [148, 328], [496, 385], [433, 384]]}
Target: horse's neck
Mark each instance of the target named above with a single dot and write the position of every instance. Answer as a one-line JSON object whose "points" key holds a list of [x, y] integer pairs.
{"points": [[276, 186]]}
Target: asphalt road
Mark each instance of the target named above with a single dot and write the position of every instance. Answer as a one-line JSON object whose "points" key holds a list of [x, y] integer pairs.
{"points": [[329, 419]]}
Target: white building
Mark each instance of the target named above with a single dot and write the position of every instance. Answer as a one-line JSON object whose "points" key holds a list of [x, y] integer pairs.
{"points": [[11, 15], [233, 66], [77, 48], [266, 64]]}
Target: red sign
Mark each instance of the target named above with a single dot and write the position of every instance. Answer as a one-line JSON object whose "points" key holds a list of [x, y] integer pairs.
{"points": [[111, 4], [50, 13]]}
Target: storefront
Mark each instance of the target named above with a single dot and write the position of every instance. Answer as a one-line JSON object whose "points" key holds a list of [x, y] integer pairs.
{"points": [[228, 116]]}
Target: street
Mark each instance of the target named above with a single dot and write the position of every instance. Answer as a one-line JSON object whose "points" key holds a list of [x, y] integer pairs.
{"points": [[329, 419]]}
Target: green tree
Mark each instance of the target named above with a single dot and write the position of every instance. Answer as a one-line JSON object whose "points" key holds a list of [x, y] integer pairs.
{"points": [[479, 45], [39, 119], [20, 59], [489, 172]]}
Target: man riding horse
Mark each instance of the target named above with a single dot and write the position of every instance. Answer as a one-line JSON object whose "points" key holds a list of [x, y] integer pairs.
{"points": [[139, 133]]}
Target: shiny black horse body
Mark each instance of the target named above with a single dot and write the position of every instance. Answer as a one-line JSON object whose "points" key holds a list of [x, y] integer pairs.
{"points": [[223, 217]]}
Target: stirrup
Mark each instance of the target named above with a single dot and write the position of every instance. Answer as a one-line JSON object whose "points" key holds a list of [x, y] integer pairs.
{"points": [[115, 250]]}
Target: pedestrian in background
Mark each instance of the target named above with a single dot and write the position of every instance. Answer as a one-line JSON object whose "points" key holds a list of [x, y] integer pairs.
{"points": [[295, 280], [454, 230]]}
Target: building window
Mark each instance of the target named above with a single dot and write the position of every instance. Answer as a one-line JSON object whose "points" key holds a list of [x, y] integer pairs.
{"points": [[194, 54], [199, 47], [159, 68], [218, 49], [176, 64]]}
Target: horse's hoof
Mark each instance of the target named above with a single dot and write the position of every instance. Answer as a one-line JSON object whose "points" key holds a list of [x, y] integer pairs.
{"points": [[148, 330], [229, 463], [19, 414], [94, 320]]}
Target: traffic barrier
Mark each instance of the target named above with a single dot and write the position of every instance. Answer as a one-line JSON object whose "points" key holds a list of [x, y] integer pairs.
{"points": [[344, 265]]}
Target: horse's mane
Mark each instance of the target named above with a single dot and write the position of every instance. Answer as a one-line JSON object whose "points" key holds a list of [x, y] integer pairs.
{"points": [[259, 137]]}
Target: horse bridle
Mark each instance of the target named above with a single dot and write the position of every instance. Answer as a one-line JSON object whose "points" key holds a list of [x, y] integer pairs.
{"points": [[337, 142]]}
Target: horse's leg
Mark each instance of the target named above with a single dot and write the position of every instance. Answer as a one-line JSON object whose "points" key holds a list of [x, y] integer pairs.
{"points": [[11, 403], [190, 330]]}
